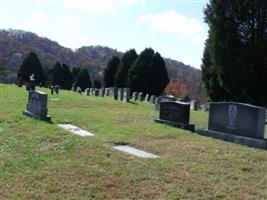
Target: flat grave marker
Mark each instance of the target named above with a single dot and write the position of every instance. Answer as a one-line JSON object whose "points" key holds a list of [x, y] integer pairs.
{"points": [[134, 151], [76, 130]]}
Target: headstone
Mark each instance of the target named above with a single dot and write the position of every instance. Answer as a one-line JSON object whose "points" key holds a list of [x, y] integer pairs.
{"points": [[176, 114], [73, 88], [106, 92], [31, 83], [96, 92], [87, 91], [52, 90], [147, 97], [79, 90], [156, 100], [140, 96], [126, 94], [135, 96], [56, 89], [205, 107], [91, 91], [37, 106], [120, 94], [113, 92], [152, 99], [165, 98], [237, 119], [193, 105], [101, 92]]}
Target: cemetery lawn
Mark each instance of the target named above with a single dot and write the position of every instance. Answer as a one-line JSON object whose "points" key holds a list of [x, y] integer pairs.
{"points": [[39, 160]]}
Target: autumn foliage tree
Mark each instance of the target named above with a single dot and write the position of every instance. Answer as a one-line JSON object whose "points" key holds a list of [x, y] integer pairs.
{"points": [[177, 88]]}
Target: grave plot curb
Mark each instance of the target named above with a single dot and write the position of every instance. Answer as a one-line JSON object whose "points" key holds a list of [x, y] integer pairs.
{"points": [[251, 142]]}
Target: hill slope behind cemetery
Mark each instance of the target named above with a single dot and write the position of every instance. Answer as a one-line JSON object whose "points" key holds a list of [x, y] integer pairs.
{"points": [[16, 44]]}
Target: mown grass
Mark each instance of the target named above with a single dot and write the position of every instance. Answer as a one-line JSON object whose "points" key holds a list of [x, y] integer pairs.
{"points": [[38, 160]]}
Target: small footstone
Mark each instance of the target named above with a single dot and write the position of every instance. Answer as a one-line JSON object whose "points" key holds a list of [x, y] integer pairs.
{"points": [[54, 99], [76, 130], [134, 151]]}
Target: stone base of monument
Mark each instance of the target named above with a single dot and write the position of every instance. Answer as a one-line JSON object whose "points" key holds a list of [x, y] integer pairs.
{"points": [[189, 127], [29, 114], [251, 142]]}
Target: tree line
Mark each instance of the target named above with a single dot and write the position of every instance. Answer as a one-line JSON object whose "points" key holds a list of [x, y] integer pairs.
{"points": [[59, 74], [142, 73]]}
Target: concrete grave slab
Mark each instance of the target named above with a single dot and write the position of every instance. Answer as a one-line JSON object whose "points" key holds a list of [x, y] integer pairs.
{"points": [[134, 151], [76, 130]]}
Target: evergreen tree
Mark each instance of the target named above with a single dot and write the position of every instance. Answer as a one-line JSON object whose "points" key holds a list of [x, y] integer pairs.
{"points": [[46, 74], [31, 65], [210, 78], [96, 84], [67, 77], [237, 46], [148, 73], [126, 62], [110, 71], [83, 79], [55, 74], [75, 71], [3, 72]]}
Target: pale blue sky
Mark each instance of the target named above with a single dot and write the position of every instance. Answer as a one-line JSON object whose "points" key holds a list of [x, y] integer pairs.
{"points": [[174, 28]]}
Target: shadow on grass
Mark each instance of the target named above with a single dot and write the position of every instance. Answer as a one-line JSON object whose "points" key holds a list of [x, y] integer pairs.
{"points": [[131, 102]]}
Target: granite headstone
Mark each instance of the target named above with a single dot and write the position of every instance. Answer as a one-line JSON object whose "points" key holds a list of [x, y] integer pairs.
{"points": [[120, 94], [152, 99], [175, 113], [113, 92], [37, 106], [140, 96], [126, 94], [135, 96], [193, 105], [237, 119], [165, 98], [106, 92], [147, 97], [87, 91]]}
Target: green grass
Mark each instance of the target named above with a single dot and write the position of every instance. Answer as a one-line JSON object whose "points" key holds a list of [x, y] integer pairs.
{"points": [[38, 160]]}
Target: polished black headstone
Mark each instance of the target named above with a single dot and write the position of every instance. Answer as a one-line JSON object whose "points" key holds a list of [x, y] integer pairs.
{"points": [[176, 114], [165, 98]]}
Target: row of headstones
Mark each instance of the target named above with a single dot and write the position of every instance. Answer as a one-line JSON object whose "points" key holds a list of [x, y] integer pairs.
{"points": [[123, 94], [233, 118], [224, 117]]}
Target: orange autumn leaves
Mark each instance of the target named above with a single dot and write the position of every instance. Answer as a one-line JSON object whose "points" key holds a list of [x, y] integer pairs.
{"points": [[177, 88]]}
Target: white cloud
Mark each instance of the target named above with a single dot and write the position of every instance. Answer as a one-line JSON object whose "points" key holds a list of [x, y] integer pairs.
{"points": [[92, 6], [38, 16], [130, 2], [67, 19], [100, 6], [173, 22]]}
